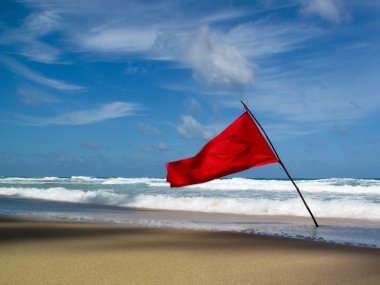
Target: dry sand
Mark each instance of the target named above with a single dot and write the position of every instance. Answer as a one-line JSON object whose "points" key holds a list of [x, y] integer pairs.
{"points": [[73, 253]]}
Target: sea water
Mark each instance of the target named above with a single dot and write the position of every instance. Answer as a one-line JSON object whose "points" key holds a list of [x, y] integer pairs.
{"points": [[348, 210]]}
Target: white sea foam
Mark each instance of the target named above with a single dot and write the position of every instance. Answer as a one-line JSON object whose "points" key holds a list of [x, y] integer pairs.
{"points": [[148, 181], [87, 179], [80, 177], [338, 185], [65, 195], [29, 179], [343, 208], [332, 198], [292, 207]]}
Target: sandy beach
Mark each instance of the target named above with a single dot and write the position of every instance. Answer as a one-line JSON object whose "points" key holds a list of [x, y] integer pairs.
{"points": [[40, 252]]}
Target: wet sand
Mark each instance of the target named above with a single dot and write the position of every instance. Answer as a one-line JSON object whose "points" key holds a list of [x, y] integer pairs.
{"points": [[40, 252]]}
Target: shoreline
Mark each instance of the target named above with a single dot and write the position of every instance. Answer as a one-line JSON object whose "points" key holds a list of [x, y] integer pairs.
{"points": [[178, 213], [45, 252], [15, 219], [356, 232]]}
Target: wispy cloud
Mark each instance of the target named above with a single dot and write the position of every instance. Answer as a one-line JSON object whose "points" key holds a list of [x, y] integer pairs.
{"points": [[120, 40], [217, 63], [102, 113], [35, 77], [40, 52], [313, 94], [282, 130], [292, 106], [192, 129], [222, 57], [27, 39], [30, 48], [265, 38], [43, 23], [330, 10], [160, 30]]}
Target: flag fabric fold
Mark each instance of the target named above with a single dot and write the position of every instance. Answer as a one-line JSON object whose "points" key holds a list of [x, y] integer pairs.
{"points": [[239, 147]]}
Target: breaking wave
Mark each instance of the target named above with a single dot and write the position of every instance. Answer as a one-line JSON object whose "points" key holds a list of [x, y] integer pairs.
{"points": [[343, 208], [292, 207], [337, 185], [65, 195]]}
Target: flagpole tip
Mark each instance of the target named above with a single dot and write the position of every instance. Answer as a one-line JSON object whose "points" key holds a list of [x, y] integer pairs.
{"points": [[244, 105]]}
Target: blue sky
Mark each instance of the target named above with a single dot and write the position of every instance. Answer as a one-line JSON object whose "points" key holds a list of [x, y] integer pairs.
{"points": [[118, 88]]}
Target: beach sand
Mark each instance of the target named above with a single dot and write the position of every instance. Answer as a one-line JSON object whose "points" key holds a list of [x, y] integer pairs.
{"points": [[38, 252]]}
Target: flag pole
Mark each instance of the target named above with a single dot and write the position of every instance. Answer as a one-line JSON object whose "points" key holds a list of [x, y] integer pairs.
{"points": [[280, 162]]}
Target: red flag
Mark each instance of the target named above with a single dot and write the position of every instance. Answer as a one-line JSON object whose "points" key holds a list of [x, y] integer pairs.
{"points": [[240, 146]]}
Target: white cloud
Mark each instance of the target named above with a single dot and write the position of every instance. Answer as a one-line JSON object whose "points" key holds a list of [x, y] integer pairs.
{"points": [[120, 40], [35, 77], [43, 23], [104, 112], [148, 130], [191, 128], [305, 104], [330, 10], [159, 30], [217, 63], [300, 104], [260, 39], [28, 41], [283, 130], [40, 52]]}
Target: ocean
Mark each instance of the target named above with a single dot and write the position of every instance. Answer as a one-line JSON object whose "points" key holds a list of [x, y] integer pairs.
{"points": [[347, 209]]}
